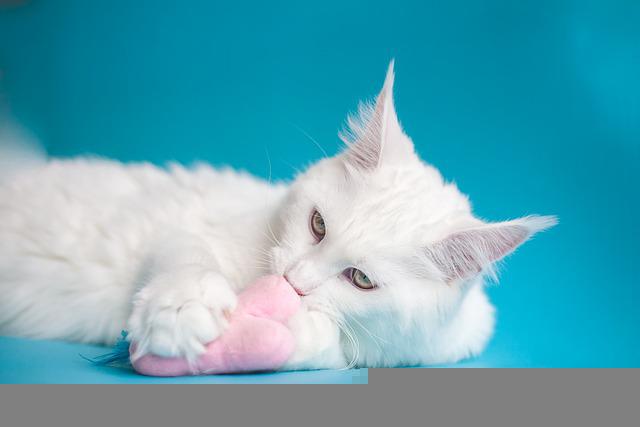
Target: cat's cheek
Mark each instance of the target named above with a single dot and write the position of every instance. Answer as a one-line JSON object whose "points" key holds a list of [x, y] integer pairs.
{"points": [[278, 260]]}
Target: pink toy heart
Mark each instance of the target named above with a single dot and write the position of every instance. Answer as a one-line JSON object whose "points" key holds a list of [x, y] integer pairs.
{"points": [[257, 338]]}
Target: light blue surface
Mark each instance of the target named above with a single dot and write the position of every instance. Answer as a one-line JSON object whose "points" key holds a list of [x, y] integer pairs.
{"points": [[28, 361], [530, 106]]}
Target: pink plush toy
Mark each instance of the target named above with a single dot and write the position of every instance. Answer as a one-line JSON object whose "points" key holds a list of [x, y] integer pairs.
{"points": [[257, 338]]}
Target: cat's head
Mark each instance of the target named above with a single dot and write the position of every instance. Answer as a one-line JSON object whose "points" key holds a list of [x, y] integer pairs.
{"points": [[376, 239]]}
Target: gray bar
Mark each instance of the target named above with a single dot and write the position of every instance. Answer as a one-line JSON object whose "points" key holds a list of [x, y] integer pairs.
{"points": [[394, 397]]}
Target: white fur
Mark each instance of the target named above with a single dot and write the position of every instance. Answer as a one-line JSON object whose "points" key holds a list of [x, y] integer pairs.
{"points": [[89, 247]]}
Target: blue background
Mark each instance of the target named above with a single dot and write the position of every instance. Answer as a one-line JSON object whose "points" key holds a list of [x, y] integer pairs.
{"points": [[530, 106]]}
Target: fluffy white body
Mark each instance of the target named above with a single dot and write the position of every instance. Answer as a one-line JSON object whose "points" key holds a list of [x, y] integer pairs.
{"points": [[89, 247]]}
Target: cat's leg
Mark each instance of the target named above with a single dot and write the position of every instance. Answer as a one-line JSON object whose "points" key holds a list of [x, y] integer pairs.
{"points": [[183, 301]]}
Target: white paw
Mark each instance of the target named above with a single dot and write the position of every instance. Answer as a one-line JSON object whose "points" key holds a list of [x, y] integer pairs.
{"points": [[177, 314], [317, 342]]}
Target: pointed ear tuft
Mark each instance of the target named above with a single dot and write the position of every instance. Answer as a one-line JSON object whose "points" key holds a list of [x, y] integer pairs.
{"points": [[465, 254], [374, 132]]}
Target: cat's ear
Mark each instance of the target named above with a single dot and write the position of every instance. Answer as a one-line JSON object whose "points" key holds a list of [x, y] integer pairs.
{"points": [[374, 135], [467, 253]]}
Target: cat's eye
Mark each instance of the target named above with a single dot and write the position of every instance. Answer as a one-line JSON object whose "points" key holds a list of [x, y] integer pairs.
{"points": [[359, 279], [316, 223]]}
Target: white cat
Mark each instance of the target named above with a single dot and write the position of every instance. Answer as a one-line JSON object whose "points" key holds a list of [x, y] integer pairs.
{"points": [[388, 257]]}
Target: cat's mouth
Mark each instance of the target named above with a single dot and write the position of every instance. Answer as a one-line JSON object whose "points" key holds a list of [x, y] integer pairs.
{"points": [[298, 291]]}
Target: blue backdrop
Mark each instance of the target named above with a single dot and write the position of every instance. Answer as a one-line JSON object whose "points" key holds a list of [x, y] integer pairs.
{"points": [[530, 106]]}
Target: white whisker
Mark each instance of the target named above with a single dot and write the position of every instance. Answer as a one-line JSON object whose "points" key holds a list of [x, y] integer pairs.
{"points": [[305, 133], [376, 338], [348, 332]]}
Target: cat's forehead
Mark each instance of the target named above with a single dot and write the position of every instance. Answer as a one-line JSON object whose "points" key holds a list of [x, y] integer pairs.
{"points": [[390, 207]]}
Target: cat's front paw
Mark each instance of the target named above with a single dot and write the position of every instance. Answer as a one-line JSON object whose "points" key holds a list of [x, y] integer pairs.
{"points": [[178, 314], [318, 343]]}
